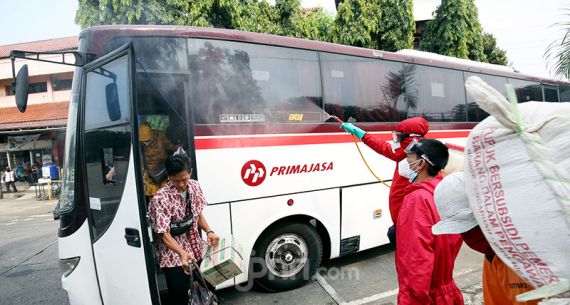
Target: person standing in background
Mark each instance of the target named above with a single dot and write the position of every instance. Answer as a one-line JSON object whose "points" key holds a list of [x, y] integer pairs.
{"points": [[10, 180]]}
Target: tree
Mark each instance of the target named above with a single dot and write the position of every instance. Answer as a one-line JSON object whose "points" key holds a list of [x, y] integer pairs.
{"points": [[355, 22], [494, 54], [557, 54], [295, 21], [99, 12], [260, 17], [396, 28], [285, 18], [337, 3], [380, 24], [455, 31]]}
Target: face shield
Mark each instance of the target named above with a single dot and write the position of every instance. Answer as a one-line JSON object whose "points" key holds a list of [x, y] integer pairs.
{"points": [[415, 147], [397, 136]]}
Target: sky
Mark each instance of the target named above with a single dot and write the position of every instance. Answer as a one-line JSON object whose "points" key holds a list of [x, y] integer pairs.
{"points": [[522, 27]]}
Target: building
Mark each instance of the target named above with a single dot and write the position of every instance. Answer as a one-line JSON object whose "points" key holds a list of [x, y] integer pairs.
{"points": [[38, 135]]}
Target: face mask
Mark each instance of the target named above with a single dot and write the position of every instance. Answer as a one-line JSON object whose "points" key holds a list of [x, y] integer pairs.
{"points": [[404, 169], [413, 173]]}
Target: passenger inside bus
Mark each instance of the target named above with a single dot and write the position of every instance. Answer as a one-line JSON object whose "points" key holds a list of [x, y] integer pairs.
{"points": [[155, 147]]}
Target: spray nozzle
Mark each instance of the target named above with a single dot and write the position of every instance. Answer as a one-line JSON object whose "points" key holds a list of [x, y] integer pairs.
{"points": [[337, 119]]}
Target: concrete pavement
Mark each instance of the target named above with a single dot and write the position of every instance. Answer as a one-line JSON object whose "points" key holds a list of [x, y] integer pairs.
{"points": [[29, 266], [29, 270]]}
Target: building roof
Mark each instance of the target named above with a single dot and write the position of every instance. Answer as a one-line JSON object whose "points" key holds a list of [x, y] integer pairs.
{"points": [[36, 116], [56, 44]]}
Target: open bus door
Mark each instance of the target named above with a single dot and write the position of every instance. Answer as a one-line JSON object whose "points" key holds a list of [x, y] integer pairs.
{"points": [[116, 208]]}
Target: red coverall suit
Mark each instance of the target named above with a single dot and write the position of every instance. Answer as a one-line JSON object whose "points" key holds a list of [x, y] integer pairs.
{"points": [[424, 261], [415, 125]]}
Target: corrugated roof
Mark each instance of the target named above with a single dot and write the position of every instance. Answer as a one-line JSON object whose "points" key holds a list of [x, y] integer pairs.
{"points": [[56, 44], [36, 116]]}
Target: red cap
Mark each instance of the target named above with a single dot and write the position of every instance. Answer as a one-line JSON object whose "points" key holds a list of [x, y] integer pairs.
{"points": [[417, 125]]}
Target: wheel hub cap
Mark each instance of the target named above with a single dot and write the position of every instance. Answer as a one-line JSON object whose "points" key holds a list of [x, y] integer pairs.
{"points": [[286, 255]]}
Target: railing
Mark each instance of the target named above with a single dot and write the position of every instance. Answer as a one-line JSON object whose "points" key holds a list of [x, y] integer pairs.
{"points": [[47, 189]]}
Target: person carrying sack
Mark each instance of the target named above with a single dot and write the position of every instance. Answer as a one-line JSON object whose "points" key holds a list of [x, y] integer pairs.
{"points": [[176, 217], [501, 285]]}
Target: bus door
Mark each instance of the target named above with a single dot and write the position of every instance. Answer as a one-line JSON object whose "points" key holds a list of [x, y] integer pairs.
{"points": [[115, 206]]}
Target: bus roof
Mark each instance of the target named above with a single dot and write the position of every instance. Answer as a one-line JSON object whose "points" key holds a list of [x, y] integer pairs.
{"points": [[103, 33]]}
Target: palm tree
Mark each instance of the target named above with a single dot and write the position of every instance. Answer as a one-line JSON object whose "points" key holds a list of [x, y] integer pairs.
{"points": [[557, 54]]}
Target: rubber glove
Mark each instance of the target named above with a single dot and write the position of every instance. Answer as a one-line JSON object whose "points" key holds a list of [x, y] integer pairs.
{"points": [[348, 127]]}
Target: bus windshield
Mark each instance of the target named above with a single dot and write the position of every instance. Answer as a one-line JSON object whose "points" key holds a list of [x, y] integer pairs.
{"points": [[67, 197]]}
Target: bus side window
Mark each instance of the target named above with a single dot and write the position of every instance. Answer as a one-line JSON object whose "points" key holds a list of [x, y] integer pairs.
{"points": [[362, 89], [550, 93], [247, 83], [106, 142], [437, 94], [564, 93], [474, 112], [526, 91]]}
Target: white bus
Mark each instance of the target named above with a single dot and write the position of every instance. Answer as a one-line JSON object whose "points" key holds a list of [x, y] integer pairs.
{"points": [[252, 110]]}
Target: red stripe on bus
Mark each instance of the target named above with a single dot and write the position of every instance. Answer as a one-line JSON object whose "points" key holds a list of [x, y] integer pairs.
{"points": [[240, 142]]}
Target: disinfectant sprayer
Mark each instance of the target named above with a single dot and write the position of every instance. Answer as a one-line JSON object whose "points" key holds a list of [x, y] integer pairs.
{"points": [[328, 116]]}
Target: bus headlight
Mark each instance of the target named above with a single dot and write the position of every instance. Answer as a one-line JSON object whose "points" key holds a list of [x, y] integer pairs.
{"points": [[67, 265]]}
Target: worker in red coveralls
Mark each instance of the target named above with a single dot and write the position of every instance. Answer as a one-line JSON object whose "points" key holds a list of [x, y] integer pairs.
{"points": [[406, 131], [424, 261]]}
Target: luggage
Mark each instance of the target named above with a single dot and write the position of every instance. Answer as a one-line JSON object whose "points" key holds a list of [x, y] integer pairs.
{"points": [[198, 292], [517, 178]]}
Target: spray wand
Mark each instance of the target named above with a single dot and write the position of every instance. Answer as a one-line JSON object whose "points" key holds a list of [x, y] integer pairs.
{"points": [[359, 151], [337, 119]]}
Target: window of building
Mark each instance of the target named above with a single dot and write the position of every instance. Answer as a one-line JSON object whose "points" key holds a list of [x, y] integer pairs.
{"points": [[61, 84], [32, 88], [526, 90], [436, 94], [474, 113], [360, 89], [248, 83], [550, 93]]}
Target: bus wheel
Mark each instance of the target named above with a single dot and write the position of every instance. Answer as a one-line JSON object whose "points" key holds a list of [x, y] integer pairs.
{"points": [[286, 257]]}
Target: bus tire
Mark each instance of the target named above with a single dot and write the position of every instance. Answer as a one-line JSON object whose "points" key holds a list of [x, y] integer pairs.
{"points": [[286, 257]]}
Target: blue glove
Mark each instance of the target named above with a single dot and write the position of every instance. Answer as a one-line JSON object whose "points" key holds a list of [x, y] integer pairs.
{"points": [[348, 127]]}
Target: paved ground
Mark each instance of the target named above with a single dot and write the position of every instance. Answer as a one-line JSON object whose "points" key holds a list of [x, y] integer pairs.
{"points": [[29, 268], [29, 271], [364, 278]]}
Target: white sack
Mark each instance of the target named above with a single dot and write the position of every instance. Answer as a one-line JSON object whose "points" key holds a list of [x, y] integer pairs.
{"points": [[518, 183]]}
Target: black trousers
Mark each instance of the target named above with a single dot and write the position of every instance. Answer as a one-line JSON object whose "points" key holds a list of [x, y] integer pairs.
{"points": [[392, 234], [13, 184], [177, 282]]}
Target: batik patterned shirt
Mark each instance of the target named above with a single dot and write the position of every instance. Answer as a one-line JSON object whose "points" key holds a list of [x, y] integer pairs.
{"points": [[168, 205]]}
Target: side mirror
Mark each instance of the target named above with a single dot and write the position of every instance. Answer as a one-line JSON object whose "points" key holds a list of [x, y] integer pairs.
{"points": [[21, 88], [113, 106]]}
